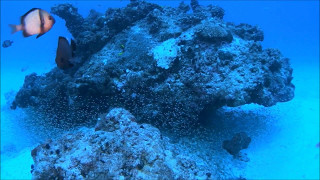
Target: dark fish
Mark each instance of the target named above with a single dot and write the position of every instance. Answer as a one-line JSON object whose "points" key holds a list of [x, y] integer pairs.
{"points": [[65, 53], [35, 21], [7, 43]]}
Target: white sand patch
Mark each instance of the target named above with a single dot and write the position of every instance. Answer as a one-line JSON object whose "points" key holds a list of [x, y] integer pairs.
{"points": [[288, 150]]}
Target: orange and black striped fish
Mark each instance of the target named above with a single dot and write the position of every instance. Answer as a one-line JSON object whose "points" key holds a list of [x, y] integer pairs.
{"points": [[65, 53], [35, 21]]}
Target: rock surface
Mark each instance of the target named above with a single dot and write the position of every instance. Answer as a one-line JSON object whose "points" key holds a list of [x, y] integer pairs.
{"points": [[238, 142], [165, 65], [118, 148]]}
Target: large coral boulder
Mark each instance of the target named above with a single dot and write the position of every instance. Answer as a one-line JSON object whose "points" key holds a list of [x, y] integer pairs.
{"points": [[118, 148], [166, 65]]}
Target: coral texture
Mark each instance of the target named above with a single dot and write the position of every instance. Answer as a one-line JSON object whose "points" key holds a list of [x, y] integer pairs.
{"points": [[238, 142], [118, 148], [162, 64]]}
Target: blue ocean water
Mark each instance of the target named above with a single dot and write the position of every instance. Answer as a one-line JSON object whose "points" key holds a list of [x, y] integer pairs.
{"points": [[286, 150]]}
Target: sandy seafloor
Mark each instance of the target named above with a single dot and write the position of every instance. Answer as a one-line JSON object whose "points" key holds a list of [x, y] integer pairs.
{"points": [[285, 135]]}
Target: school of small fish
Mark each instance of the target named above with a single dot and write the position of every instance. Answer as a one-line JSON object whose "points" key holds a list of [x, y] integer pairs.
{"points": [[37, 22]]}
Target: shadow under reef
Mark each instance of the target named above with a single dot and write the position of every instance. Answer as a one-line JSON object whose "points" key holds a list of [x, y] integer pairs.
{"points": [[203, 138], [214, 127], [210, 130]]}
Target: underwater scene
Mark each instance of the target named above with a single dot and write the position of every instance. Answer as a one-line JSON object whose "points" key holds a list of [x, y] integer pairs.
{"points": [[145, 89]]}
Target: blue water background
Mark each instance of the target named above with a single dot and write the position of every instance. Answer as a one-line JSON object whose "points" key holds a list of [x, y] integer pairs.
{"points": [[290, 26]]}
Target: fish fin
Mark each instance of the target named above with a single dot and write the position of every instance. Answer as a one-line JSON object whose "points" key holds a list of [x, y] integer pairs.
{"points": [[73, 47], [15, 28], [61, 37], [25, 34], [39, 35], [22, 17]]}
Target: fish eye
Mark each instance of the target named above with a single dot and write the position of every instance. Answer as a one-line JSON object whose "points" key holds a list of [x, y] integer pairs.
{"points": [[50, 17]]}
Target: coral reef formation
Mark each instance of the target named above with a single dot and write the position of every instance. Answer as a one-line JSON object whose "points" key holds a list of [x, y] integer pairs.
{"points": [[238, 142], [164, 65], [118, 148]]}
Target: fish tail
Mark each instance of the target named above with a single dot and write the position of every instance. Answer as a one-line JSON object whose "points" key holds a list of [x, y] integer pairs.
{"points": [[15, 28]]}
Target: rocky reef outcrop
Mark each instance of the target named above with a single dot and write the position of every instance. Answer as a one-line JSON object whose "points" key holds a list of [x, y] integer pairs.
{"points": [[117, 148], [165, 65], [238, 142]]}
